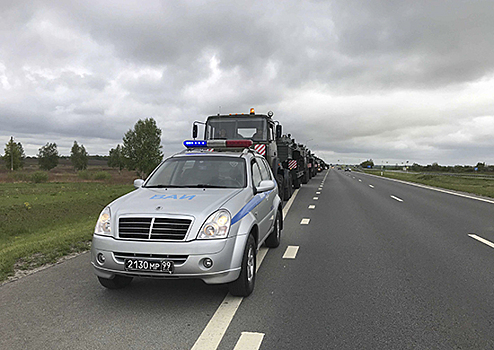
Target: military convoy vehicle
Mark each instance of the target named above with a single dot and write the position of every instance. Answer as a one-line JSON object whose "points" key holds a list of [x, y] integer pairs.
{"points": [[291, 163]]}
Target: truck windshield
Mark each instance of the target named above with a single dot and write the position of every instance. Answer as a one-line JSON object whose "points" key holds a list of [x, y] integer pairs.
{"points": [[200, 171], [231, 128]]}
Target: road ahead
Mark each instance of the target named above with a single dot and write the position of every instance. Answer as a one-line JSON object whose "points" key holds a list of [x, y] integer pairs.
{"points": [[372, 263]]}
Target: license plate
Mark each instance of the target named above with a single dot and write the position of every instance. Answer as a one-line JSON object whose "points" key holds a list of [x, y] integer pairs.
{"points": [[165, 266]]}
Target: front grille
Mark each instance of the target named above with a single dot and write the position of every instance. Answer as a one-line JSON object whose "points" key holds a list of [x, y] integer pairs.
{"points": [[177, 259], [153, 228]]}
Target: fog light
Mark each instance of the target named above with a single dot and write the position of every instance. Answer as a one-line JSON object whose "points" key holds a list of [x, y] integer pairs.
{"points": [[101, 258], [208, 263]]}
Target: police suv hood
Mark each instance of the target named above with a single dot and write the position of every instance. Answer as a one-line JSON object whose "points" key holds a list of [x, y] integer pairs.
{"points": [[196, 202]]}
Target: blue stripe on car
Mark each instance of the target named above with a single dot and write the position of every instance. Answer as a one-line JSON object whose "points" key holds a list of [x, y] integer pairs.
{"points": [[254, 202]]}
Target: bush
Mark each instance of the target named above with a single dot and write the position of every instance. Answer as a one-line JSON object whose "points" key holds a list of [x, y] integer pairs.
{"points": [[16, 177], [102, 175], [39, 176], [84, 174]]}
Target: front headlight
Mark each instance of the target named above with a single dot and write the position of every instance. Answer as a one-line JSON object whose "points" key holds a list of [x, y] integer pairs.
{"points": [[103, 226], [216, 226]]}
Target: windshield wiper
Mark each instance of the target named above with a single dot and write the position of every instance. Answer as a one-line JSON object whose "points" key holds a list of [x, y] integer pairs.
{"points": [[207, 186], [163, 186]]}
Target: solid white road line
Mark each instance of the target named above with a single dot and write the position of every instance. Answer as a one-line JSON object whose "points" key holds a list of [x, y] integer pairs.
{"points": [[483, 240], [396, 198], [211, 336], [436, 189], [304, 222], [289, 203], [291, 252], [249, 341], [312, 206]]}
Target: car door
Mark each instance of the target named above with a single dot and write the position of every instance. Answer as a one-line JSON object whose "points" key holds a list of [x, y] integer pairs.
{"points": [[264, 216]]}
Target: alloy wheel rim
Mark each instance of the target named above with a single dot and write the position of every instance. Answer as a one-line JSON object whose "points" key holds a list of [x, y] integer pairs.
{"points": [[250, 264]]}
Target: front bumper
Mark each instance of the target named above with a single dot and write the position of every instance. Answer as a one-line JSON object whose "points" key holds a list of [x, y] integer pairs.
{"points": [[188, 257]]}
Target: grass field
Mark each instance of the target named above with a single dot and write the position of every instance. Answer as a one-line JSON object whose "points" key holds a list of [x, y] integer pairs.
{"points": [[470, 184], [41, 222]]}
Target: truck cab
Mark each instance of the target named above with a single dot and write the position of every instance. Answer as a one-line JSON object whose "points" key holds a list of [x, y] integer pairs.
{"points": [[261, 129]]}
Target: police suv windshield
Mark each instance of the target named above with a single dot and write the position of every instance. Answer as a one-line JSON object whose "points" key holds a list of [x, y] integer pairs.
{"points": [[200, 171]]}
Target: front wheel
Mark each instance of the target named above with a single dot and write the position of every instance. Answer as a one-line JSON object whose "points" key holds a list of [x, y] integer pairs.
{"points": [[116, 282], [244, 284]]}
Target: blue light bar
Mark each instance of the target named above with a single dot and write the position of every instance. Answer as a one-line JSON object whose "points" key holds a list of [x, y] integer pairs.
{"points": [[195, 143]]}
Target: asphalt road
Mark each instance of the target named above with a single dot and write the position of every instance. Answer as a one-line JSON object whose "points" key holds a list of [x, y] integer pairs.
{"points": [[380, 265]]}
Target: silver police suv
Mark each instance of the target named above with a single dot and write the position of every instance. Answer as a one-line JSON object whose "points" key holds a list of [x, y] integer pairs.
{"points": [[200, 214]]}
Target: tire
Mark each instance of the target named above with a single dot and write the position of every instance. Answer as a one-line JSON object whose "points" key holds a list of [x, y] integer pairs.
{"points": [[118, 282], [305, 178], [279, 181], [274, 239], [244, 284], [296, 182], [288, 188]]}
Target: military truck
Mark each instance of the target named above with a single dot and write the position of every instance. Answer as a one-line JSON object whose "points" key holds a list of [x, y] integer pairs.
{"points": [[261, 129], [292, 156]]}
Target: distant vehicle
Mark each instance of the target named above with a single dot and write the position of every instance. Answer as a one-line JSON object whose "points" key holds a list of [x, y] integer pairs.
{"points": [[348, 169], [200, 214]]}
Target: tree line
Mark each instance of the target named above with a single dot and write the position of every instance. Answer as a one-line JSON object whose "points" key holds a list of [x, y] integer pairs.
{"points": [[434, 167], [141, 151]]}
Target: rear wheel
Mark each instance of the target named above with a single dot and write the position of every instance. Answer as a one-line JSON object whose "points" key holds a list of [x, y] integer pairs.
{"points": [[274, 238], [116, 282], [244, 284], [288, 188], [296, 182]]}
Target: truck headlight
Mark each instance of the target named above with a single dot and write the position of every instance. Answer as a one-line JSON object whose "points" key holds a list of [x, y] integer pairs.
{"points": [[216, 226], [103, 226]]}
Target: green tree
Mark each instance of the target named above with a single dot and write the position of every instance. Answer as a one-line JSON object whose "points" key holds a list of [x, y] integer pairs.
{"points": [[48, 156], [14, 155], [367, 163], [116, 159], [141, 147], [78, 156]]}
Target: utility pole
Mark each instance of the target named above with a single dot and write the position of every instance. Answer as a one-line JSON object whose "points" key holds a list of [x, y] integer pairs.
{"points": [[12, 153]]}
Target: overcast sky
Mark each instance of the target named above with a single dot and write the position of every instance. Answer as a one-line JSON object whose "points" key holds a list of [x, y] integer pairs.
{"points": [[392, 81]]}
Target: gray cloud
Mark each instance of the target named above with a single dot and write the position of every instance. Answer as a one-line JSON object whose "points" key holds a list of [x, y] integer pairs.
{"points": [[360, 79]]}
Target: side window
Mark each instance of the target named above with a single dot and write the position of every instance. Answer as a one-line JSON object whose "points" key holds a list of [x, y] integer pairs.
{"points": [[264, 172], [256, 174]]}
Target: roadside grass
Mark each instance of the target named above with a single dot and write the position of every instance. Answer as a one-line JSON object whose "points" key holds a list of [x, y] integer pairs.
{"points": [[41, 222], [469, 184]]}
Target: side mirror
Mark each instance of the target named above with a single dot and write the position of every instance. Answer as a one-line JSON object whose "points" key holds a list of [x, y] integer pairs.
{"points": [[278, 131], [138, 183], [265, 185], [194, 131]]}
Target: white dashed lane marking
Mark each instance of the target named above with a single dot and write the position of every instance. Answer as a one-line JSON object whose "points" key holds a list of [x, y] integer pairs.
{"points": [[371, 186], [291, 252], [249, 341], [315, 198], [483, 240], [304, 222], [312, 206], [396, 198]]}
